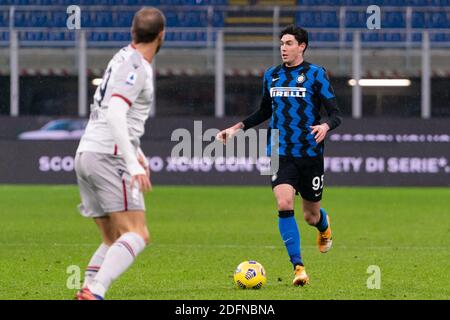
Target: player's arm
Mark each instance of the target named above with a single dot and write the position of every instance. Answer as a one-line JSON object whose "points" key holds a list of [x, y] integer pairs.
{"points": [[259, 116], [117, 121], [328, 100], [142, 159], [129, 83]]}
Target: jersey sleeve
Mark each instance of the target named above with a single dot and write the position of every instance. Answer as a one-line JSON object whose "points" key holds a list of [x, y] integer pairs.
{"points": [[328, 99], [265, 109], [129, 81]]}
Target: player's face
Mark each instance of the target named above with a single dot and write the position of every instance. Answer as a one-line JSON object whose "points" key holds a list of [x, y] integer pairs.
{"points": [[291, 50]]}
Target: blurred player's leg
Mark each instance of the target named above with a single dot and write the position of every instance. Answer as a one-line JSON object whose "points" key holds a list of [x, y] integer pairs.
{"points": [[316, 216], [133, 238], [109, 236], [95, 264]]}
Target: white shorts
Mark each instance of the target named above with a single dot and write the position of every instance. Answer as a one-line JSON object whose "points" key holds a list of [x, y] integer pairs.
{"points": [[104, 184]]}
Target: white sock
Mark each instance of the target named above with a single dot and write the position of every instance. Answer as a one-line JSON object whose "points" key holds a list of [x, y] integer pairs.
{"points": [[118, 259], [95, 264]]}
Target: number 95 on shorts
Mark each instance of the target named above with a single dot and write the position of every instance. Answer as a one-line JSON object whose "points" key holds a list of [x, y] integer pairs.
{"points": [[305, 175]]}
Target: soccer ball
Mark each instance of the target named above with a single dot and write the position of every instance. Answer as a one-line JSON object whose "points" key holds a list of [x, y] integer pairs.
{"points": [[250, 275]]}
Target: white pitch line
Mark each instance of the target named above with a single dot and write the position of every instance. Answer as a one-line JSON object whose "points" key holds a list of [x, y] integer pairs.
{"points": [[232, 246]]}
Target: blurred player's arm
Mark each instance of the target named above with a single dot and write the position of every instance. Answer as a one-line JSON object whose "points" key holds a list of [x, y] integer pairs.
{"points": [[117, 121], [328, 100], [143, 161], [259, 116]]}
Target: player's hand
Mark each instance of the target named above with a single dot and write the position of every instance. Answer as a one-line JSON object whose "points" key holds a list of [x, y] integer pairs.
{"points": [[144, 165], [142, 181], [319, 132], [224, 135]]}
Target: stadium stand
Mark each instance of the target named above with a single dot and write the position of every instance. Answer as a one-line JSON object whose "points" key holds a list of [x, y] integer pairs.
{"points": [[185, 14]]}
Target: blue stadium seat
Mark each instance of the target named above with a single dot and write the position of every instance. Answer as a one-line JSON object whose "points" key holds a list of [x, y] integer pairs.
{"points": [[418, 20], [103, 19], [97, 36], [59, 19], [35, 36], [393, 19], [111, 18], [439, 20], [116, 2], [324, 36], [324, 19], [417, 37], [121, 36], [392, 37], [4, 36], [401, 3], [355, 19], [382, 36], [19, 19], [218, 19], [171, 19], [440, 37], [430, 19], [318, 2], [4, 18], [123, 18]]}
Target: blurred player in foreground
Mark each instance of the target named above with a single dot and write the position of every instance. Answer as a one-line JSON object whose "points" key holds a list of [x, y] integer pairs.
{"points": [[112, 171], [293, 93]]}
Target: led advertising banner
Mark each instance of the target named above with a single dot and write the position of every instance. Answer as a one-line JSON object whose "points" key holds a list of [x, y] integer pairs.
{"points": [[359, 153]]}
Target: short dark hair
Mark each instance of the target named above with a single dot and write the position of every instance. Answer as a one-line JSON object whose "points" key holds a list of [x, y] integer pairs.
{"points": [[300, 34], [147, 24]]}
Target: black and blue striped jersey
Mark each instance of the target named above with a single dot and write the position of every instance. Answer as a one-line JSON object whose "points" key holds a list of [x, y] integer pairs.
{"points": [[292, 97]]}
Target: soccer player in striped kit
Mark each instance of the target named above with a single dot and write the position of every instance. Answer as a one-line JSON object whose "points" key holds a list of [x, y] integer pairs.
{"points": [[112, 171], [293, 93]]}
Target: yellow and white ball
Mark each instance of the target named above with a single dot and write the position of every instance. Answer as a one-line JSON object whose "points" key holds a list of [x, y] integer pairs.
{"points": [[250, 275]]}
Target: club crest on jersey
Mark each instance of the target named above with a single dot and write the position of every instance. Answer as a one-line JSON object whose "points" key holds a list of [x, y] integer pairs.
{"points": [[120, 172], [288, 92], [131, 78], [301, 78]]}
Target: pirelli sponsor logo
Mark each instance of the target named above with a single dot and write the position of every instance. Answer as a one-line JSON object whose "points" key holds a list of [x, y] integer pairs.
{"points": [[288, 92]]}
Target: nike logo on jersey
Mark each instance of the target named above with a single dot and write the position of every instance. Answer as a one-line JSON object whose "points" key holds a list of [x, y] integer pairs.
{"points": [[275, 79], [317, 194]]}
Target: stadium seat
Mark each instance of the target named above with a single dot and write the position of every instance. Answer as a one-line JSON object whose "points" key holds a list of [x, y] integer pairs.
{"points": [[393, 19], [4, 18], [324, 36], [199, 18], [355, 19], [4, 36], [418, 20], [440, 37]]}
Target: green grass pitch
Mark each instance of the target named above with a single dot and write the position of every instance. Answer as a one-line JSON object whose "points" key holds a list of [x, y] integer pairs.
{"points": [[200, 234]]}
